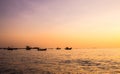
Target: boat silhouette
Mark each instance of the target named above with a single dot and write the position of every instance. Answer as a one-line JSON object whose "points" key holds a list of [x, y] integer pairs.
{"points": [[28, 48], [42, 49], [11, 48], [67, 48], [58, 48]]}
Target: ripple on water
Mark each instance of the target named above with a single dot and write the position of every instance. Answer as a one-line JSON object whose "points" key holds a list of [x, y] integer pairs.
{"points": [[54, 62], [10, 71]]}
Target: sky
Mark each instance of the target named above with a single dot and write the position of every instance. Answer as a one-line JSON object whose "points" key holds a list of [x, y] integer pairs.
{"points": [[60, 23]]}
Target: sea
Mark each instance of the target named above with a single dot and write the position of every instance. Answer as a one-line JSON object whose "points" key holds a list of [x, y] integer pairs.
{"points": [[53, 61]]}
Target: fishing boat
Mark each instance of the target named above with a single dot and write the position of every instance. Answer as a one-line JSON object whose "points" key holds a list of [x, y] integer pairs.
{"points": [[28, 48], [11, 48], [58, 48], [42, 49], [67, 48]]}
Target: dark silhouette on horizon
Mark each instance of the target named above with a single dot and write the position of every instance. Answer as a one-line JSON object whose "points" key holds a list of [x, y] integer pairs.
{"points": [[67, 48], [58, 48], [9, 48], [28, 48], [38, 48], [42, 49]]}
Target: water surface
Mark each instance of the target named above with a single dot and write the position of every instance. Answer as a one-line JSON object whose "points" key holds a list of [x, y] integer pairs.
{"points": [[52, 61]]}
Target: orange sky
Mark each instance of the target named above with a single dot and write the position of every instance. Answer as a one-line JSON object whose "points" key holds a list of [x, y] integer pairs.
{"points": [[44, 23]]}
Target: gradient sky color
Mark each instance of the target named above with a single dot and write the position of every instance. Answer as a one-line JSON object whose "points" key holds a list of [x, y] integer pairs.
{"points": [[52, 23]]}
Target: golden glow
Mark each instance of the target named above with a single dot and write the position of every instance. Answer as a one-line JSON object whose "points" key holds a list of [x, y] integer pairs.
{"points": [[62, 23]]}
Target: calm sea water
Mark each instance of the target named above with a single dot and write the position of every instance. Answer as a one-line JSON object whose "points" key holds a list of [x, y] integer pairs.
{"points": [[52, 61]]}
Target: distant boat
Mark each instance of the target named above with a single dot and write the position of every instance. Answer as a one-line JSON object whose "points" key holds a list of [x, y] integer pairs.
{"points": [[11, 48], [42, 49], [28, 48], [58, 48], [67, 48]]}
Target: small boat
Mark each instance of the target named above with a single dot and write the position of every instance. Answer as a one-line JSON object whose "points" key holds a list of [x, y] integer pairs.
{"points": [[67, 48], [58, 48], [42, 49], [10, 48], [28, 48]]}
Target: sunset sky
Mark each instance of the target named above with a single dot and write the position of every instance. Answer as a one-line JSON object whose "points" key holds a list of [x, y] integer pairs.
{"points": [[60, 23]]}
